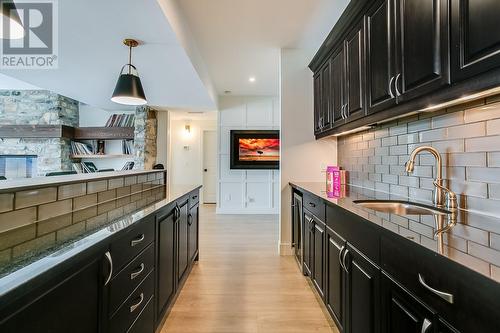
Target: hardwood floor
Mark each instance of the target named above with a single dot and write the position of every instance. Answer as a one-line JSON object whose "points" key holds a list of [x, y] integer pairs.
{"points": [[241, 284]]}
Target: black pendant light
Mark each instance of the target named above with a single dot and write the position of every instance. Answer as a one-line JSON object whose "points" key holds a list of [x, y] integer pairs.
{"points": [[128, 90], [11, 26]]}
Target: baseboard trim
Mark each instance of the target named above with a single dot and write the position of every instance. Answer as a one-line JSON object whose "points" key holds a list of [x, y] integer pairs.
{"points": [[242, 211], [286, 249]]}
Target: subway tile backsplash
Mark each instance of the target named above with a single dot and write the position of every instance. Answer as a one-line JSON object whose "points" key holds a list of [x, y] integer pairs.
{"points": [[467, 136]]}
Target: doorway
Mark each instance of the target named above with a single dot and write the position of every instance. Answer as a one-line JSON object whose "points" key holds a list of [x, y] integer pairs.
{"points": [[209, 166]]}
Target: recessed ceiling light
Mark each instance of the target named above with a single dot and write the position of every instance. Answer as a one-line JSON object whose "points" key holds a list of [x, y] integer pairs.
{"points": [[251, 79]]}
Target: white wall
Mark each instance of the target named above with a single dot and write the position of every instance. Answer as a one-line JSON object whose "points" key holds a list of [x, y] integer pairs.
{"points": [[186, 150], [303, 159], [91, 117], [242, 191]]}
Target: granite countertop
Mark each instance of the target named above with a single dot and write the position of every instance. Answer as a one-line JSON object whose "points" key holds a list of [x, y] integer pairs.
{"points": [[472, 241], [42, 262], [30, 183]]}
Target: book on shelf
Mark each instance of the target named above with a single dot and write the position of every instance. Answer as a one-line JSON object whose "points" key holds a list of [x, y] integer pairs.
{"points": [[121, 120], [128, 166], [89, 167], [82, 148], [77, 167], [128, 147]]}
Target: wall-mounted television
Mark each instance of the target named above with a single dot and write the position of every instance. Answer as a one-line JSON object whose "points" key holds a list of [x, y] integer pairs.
{"points": [[255, 149]]}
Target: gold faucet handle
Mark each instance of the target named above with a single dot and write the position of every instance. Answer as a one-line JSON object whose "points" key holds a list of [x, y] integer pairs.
{"points": [[451, 197]]}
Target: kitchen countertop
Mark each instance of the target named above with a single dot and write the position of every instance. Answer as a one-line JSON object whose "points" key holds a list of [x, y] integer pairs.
{"points": [[471, 241], [15, 185], [40, 263]]}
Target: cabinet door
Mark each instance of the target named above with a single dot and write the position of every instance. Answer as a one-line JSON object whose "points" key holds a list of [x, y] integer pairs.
{"points": [[335, 278], [381, 70], [337, 86], [317, 102], [422, 47], [363, 292], [475, 37], [71, 303], [355, 74], [325, 114], [193, 225], [402, 312], [308, 242], [318, 255], [297, 223], [166, 258], [182, 244]]}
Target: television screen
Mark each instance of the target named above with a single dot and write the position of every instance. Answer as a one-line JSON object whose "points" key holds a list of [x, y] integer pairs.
{"points": [[255, 149]]}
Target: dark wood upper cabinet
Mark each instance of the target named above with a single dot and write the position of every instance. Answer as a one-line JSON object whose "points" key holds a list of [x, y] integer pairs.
{"points": [[337, 86], [317, 102], [422, 47], [325, 111], [381, 70], [355, 74], [475, 37]]}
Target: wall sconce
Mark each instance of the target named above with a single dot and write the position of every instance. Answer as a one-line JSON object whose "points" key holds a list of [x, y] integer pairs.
{"points": [[187, 129]]}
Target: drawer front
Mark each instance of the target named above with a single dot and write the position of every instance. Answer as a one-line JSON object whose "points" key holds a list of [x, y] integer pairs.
{"points": [[194, 198], [419, 269], [129, 278], [133, 306], [146, 320], [315, 205], [363, 235], [132, 243]]}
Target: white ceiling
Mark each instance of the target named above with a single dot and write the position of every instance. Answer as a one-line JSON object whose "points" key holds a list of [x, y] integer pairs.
{"points": [[242, 38], [91, 55]]}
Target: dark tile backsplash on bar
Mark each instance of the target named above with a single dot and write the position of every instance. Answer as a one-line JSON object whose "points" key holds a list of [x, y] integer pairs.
{"points": [[467, 136]]}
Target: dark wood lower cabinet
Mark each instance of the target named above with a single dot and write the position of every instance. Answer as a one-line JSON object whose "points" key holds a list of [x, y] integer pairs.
{"points": [[71, 302], [335, 277], [125, 283], [308, 242], [363, 293], [319, 250]]}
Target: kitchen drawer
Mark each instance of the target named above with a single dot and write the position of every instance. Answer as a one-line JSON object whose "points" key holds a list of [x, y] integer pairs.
{"points": [[194, 198], [315, 205], [129, 278], [361, 234], [132, 243], [476, 299], [133, 306], [146, 320]]}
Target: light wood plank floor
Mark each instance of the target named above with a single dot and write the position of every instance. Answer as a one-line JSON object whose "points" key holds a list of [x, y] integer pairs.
{"points": [[241, 284]]}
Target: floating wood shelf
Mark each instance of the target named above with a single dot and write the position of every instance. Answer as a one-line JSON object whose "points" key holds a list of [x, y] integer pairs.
{"points": [[102, 156], [104, 133], [36, 131], [68, 132]]}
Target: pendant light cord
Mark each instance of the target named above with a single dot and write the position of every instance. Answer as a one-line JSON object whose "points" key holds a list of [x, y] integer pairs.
{"points": [[130, 59]]}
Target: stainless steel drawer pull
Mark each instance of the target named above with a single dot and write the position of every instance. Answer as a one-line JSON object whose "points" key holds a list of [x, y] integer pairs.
{"points": [[138, 272], [136, 305], [446, 296], [110, 261], [426, 325], [312, 204], [340, 257], [137, 240]]}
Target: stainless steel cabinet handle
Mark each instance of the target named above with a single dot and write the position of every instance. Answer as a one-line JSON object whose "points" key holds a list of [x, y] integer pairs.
{"points": [[138, 272], [426, 325], [137, 240], [446, 296], [136, 305], [312, 204], [398, 93], [110, 261], [345, 111], [343, 260], [390, 87], [190, 219], [340, 257]]}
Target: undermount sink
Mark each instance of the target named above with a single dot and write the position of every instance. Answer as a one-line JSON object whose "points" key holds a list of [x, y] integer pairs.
{"points": [[401, 207]]}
